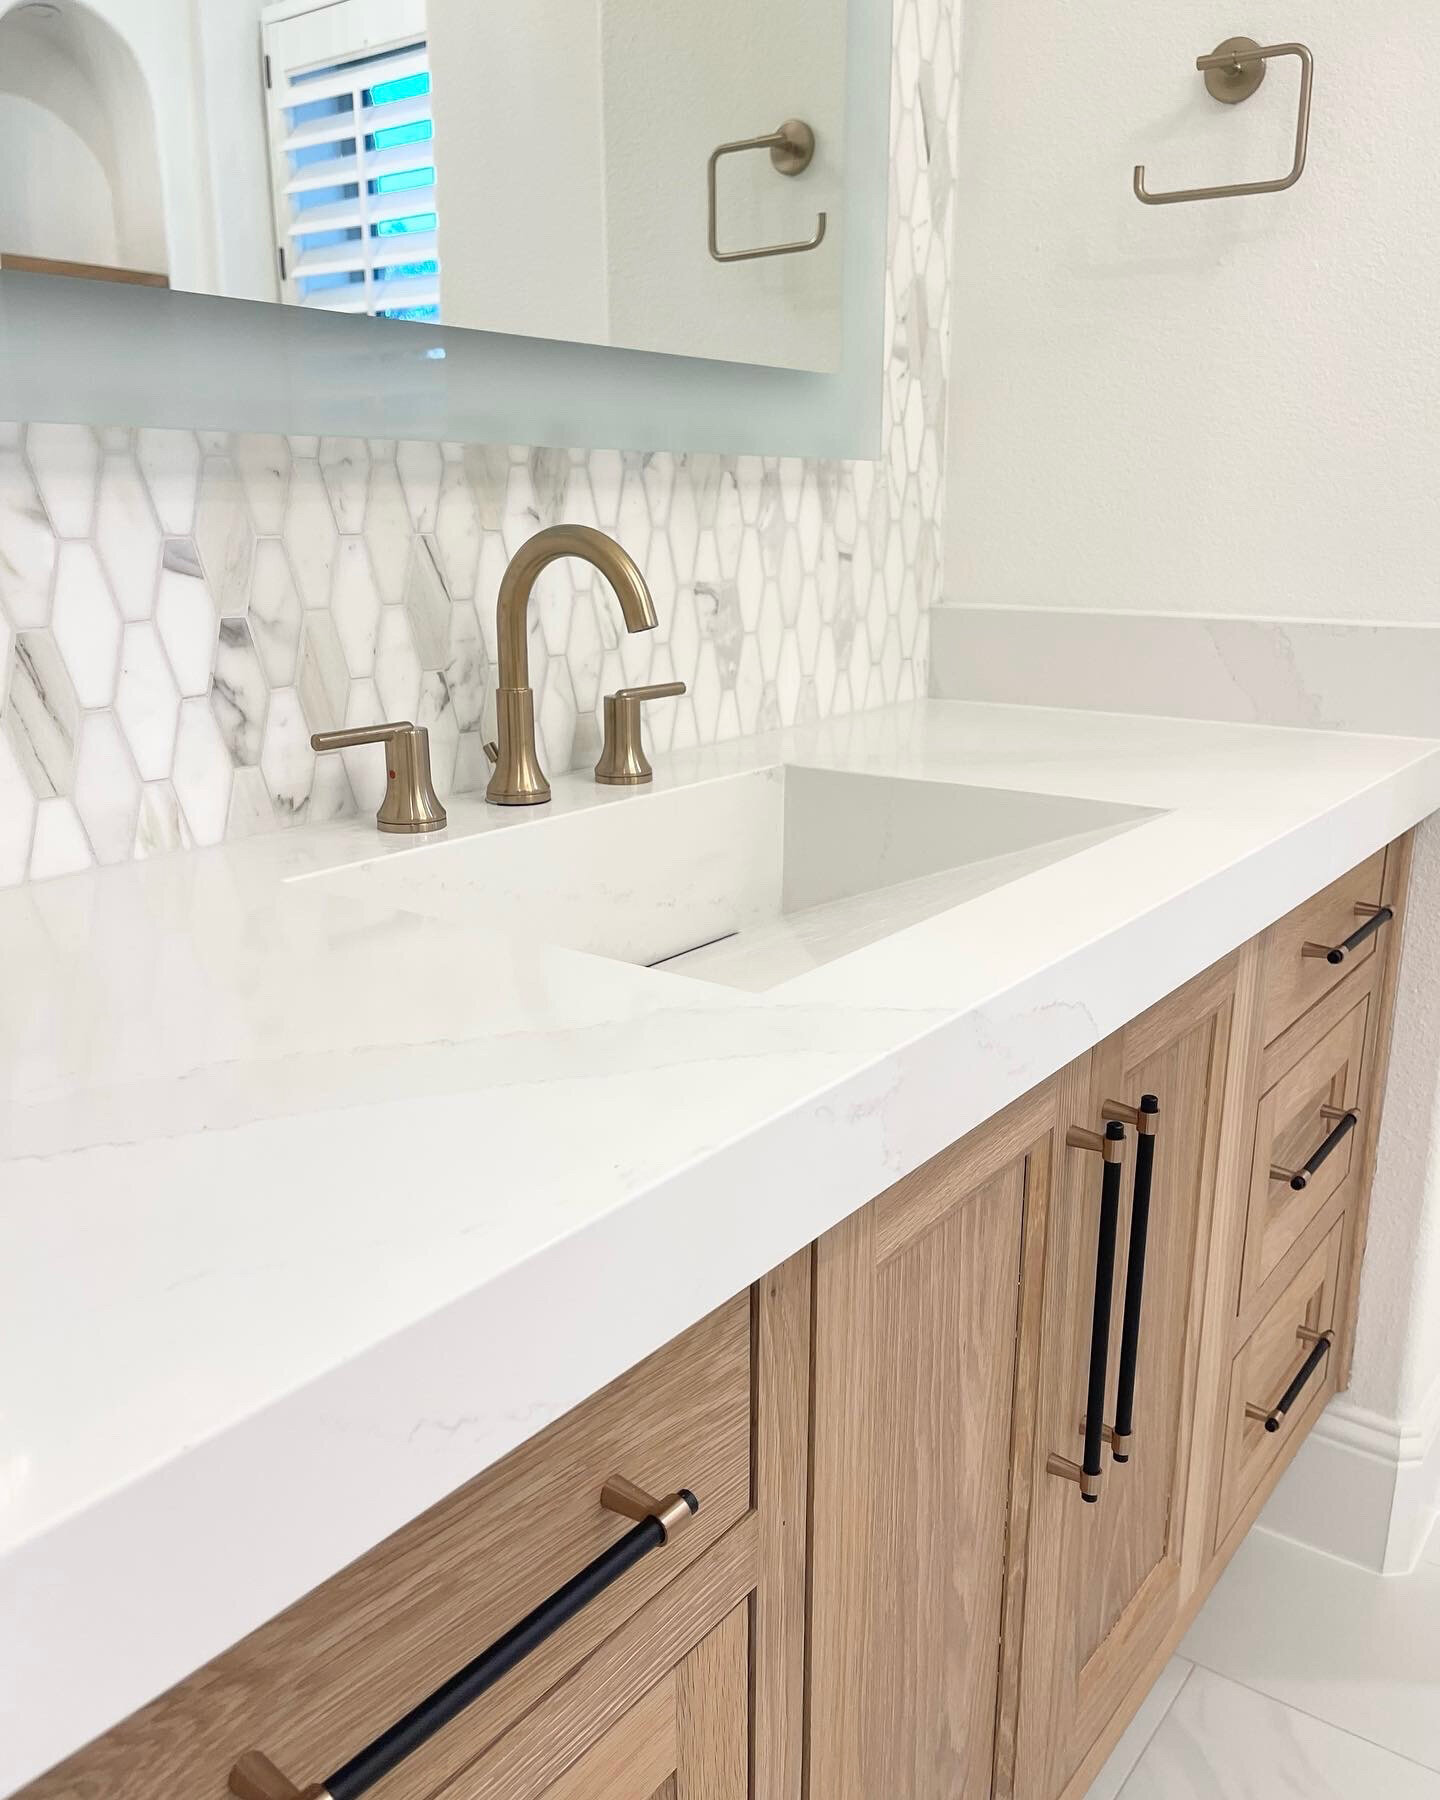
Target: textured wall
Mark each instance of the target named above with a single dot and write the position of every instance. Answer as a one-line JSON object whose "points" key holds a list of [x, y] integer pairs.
{"points": [[1217, 408], [178, 610]]}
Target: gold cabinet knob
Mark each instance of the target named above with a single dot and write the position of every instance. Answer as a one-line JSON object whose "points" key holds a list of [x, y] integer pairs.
{"points": [[410, 803], [623, 762]]}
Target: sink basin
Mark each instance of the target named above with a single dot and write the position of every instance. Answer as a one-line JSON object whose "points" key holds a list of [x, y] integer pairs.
{"points": [[748, 880]]}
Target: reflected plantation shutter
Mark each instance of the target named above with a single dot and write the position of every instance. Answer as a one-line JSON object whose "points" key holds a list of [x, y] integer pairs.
{"points": [[352, 151]]}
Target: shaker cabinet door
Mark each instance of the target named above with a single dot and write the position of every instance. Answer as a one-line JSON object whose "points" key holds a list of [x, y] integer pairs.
{"points": [[918, 1303], [1103, 1583]]}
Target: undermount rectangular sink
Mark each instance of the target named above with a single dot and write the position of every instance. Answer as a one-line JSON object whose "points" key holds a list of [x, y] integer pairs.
{"points": [[748, 880]]}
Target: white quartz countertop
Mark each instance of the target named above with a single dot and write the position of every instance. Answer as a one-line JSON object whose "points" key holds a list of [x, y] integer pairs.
{"points": [[311, 1208]]}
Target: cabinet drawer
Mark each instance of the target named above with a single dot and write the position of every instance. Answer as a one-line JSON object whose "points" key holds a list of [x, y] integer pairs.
{"points": [[1307, 1140], [319, 1682], [686, 1734], [1280, 1378], [1297, 973]]}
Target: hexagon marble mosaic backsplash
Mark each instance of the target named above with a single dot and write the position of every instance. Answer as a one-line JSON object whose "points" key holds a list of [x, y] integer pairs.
{"points": [[180, 610]]}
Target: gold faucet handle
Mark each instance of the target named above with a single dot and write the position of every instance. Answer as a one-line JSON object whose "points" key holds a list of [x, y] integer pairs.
{"points": [[623, 762], [410, 803]]}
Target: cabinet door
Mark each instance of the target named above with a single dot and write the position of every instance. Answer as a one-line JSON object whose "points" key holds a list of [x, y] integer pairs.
{"points": [[919, 1299], [1103, 1582]]}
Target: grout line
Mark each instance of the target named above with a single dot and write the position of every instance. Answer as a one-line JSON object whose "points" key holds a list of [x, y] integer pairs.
{"points": [[1304, 1712]]}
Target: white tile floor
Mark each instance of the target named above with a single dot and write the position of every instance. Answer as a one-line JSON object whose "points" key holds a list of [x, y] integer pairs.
{"points": [[1303, 1679]]}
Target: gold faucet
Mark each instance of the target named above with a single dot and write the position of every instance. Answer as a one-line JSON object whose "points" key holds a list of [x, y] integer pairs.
{"points": [[518, 779]]}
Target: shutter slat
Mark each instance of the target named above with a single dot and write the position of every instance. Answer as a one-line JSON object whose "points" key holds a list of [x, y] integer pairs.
{"points": [[345, 171], [301, 90], [355, 257], [345, 215], [338, 126]]}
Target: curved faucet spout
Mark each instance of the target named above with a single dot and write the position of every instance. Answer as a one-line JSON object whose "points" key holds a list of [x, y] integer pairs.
{"points": [[518, 779]]}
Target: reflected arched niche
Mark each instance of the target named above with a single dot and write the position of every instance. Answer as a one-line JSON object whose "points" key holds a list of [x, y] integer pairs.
{"points": [[77, 141]]}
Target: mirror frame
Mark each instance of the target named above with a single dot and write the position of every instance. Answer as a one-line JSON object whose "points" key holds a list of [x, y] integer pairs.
{"points": [[98, 352]]}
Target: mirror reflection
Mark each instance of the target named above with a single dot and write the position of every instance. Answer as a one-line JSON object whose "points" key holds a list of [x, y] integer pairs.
{"points": [[549, 170]]}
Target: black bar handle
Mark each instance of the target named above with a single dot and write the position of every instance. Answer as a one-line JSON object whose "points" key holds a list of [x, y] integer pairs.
{"points": [[1111, 1149], [1274, 1418], [1375, 917], [1300, 1178], [254, 1777], [1111, 1172], [1145, 1118]]}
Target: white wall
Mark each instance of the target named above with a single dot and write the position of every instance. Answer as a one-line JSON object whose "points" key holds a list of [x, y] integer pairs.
{"points": [[1223, 408], [56, 200], [1228, 407]]}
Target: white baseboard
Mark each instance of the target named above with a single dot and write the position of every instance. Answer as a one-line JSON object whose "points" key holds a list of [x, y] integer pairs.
{"points": [[1363, 1487]]}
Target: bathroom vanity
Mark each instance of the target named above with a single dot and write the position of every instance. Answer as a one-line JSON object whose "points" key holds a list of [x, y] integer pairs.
{"points": [[818, 1246]]}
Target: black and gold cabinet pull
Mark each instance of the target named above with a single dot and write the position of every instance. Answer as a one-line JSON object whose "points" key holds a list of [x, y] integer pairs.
{"points": [[1372, 917], [1342, 1121], [1273, 1417], [1145, 1118], [1110, 1148], [255, 1777]]}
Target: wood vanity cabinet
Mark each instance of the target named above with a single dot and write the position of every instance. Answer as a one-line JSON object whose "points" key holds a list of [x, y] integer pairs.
{"points": [[895, 1588], [978, 1628]]}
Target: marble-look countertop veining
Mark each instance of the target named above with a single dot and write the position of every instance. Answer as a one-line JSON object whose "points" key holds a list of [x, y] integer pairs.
{"points": [[312, 1207]]}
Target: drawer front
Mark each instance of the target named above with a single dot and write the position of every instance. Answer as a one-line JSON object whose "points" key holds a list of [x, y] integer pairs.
{"points": [[1297, 974], [1268, 1400], [1307, 1142], [319, 1682], [686, 1737]]}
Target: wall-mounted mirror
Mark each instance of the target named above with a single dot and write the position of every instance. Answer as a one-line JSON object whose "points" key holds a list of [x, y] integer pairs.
{"points": [[542, 169]]}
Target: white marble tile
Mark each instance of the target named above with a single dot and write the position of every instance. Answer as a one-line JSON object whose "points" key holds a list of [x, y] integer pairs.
{"points": [[322, 677], [1140, 1730], [345, 467], [428, 604], [170, 463], [397, 666], [276, 612], [251, 811], [127, 537], [365, 765], [147, 701], [420, 468], [238, 693], [17, 816], [1358, 1649], [107, 789], [224, 536], [59, 846], [262, 461], [42, 714], [186, 617], [202, 772], [310, 534], [355, 606], [65, 461], [388, 530], [457, 533], [286, 760], [1227, 1742], [161, 825], [27, 546], [86, 625]]}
